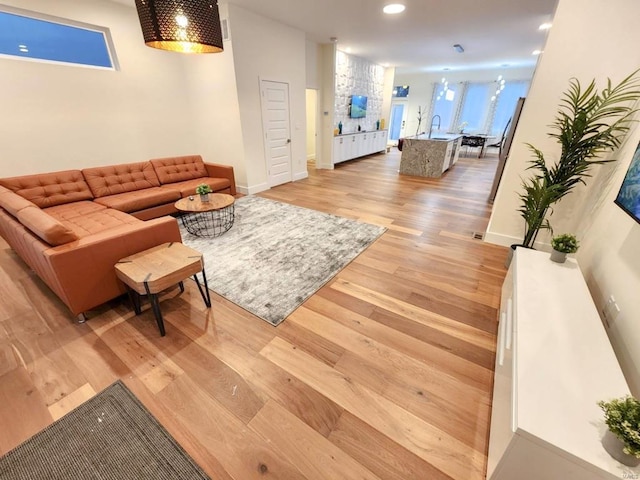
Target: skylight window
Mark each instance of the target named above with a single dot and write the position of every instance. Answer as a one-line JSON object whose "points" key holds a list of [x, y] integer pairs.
{"points": [[38, 37]]}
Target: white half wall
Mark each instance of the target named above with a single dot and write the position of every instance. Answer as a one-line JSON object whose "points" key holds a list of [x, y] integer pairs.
{"points": [[267, 50], [59, 117], [585, 42]]}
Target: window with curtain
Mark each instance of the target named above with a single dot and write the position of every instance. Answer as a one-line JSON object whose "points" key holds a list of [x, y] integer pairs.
{"points": [[445, 103], [33, 36], [472, 103], [475, 107], [505, 105]]}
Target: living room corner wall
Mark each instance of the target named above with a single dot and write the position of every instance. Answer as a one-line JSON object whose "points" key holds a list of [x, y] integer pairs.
{"points": [[59, 117], [267, 50], [587, 41]]}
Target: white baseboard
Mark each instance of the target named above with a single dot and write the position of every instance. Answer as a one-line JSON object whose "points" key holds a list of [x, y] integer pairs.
{"points": [[508, 240], [252, 189], [499, 239], [300, 176], [311, 156]]}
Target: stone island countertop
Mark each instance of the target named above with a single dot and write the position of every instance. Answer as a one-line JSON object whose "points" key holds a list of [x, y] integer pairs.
{"points": [[429, 157]]}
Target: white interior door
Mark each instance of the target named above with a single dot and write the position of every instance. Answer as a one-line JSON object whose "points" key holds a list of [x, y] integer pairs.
{"points": [[277, 131]]}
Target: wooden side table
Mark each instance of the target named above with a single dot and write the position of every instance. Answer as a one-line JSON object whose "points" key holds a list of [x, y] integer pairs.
{"points": [[158, 268]]}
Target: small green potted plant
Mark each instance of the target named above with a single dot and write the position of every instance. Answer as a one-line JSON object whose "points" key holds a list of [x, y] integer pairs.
{"points": [[622, 439], [203, 190], [563, 245]]}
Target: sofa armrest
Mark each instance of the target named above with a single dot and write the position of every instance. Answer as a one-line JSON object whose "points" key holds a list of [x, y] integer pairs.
{"points": [[85, 268], [215, 170]]}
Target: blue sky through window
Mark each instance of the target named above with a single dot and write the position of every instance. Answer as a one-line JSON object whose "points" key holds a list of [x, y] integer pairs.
{"points": [[26, 37]]}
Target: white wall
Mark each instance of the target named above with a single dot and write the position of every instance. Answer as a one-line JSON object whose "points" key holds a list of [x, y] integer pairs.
{"points": [[268, 50], [211, 87], [387, 96], [585, 42], [327, 122], [61, 117], [421, 89], [313, 65], [312, 112]]}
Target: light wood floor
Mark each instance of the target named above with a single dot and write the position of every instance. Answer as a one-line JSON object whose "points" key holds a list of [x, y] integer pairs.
{"points": [[385, 373]]}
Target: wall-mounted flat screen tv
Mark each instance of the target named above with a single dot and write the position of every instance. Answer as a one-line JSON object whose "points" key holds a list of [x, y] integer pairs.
{"points": [[629, 196], [401, 91], [358, 106]]}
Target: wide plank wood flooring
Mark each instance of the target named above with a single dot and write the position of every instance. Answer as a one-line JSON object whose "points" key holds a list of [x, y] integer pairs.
{"points": [[385, 373]]}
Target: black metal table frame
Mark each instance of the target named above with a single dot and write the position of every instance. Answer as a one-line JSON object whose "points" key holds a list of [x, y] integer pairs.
{"points": [[212, 223], [155, 304]]}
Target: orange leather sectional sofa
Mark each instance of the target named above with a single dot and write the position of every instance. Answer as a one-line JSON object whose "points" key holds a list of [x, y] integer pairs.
{"points": [[71, 227]]}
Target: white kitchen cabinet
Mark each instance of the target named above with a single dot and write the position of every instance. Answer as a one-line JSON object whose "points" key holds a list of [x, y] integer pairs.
{"points": [[354, 145], [553, 363]]}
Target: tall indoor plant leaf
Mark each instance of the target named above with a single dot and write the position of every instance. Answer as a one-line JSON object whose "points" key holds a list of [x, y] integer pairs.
{"points": [[588, 124]]}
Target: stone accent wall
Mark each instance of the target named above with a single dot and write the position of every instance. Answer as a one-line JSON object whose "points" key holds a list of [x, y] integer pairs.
{"points": [[357, 76]]}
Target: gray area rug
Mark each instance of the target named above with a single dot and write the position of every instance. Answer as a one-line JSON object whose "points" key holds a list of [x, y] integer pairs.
{"points": [[110, 437], [277, 255]]}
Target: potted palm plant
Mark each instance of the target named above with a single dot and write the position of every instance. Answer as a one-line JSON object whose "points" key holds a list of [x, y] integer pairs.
{"points": [[203, 190], [622, 439], [563, 245], [588, 124]]}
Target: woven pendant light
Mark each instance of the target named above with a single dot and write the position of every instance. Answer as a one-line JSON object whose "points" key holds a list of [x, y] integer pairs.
{"points": [[187, 26]]}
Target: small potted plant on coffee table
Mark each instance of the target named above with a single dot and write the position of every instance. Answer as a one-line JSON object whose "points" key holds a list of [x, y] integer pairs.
{"points": [[622, 439], [203, 190], [562, 245]]}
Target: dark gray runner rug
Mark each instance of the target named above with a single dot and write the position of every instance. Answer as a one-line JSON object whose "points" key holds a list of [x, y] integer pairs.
{"points": [[110, 437], [277, 255]]}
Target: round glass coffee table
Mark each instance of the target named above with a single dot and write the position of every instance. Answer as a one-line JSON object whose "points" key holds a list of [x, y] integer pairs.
{"points": [[207, 219]]}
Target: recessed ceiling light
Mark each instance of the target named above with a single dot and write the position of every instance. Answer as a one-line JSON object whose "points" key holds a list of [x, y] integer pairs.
{"points": [[545, 26], [536, 52], [393, 8]]}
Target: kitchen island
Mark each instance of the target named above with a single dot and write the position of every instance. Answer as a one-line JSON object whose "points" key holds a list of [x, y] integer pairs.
{"points": [[429, 157]]}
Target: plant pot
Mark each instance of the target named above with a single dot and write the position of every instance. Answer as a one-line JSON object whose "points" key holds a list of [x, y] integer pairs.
{"points": [[204, 197], [613, 445], [558, 257]]}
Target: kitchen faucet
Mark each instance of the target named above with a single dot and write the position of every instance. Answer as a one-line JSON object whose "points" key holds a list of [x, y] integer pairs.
{"points": [[431, 126]]}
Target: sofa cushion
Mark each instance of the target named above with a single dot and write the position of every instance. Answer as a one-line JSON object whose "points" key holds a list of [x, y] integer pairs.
{"points": [[12, 202], [188, 187], [178, 169], [115, 179], [97, 221], [72, 210], [49, 189], [45, 226], [139, 199]]}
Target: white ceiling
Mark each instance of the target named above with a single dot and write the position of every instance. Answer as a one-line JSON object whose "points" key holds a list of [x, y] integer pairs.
{"points": [[494, 33]]}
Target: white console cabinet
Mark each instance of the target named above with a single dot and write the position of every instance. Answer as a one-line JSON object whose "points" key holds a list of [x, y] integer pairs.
{"points": [[354, 145], [554, 363]]}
